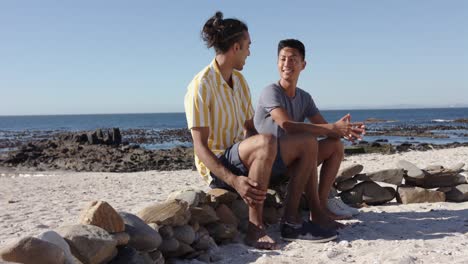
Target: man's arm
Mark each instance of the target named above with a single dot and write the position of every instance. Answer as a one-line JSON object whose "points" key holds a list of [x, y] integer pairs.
{"points": [[246, 187], [249, 128], [281, 117]]}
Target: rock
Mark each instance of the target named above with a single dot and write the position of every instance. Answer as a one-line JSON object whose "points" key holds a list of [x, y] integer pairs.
{"points": [[222, 232], [348, 172], [240, 209], [182, 250], [89, 243], [368, 192], [204, 242], [54, 238], [100, 213], [116, 136], [457, 167], [354, 150], [362, 177], [222, 196], [346, 184], [173, 212], [434, 178], [270, 216], [142, 236], [191, 196], [273, 199], [31, 250], [169, 245], [184, 234], [226, 216], [128, 255], [434, 167], [122, 238], [157, 257], [411, 170], [407, 194], [392, 176], [166, 232], [458, 193], [204, 214]]}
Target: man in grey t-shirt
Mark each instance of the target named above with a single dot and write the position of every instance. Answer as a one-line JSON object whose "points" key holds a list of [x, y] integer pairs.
{"points": [[282, 110]]}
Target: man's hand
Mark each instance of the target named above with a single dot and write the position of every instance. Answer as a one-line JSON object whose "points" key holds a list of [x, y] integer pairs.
{"points": [[350, 131], [249, 190]]}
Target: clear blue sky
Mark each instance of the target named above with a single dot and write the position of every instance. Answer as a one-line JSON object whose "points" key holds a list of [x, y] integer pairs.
{"points": [[79, 57]]}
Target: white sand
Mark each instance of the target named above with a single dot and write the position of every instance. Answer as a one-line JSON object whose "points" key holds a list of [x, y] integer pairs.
{"points": [[416, 233]]}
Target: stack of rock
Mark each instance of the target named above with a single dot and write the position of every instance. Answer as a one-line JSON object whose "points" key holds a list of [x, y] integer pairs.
{"points": [[190, 224], [412, 185]]}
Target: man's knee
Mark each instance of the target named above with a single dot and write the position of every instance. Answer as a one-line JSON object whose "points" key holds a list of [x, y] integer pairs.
{"points": [[267, 145], [309, 143], [338, 145]]}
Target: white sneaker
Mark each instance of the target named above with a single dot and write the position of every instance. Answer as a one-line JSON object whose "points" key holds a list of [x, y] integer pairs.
{"points": [[338, 207]]}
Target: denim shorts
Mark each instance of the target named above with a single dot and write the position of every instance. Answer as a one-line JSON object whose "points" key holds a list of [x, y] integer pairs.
{"points": [[231, 160]]}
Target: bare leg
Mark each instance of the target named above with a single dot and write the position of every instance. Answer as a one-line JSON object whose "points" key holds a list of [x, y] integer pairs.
{"points": [[258, 154], [299, 153], [330, 155]]}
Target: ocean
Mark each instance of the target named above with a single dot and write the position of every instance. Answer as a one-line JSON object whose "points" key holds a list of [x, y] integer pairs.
{"points": [[436, 120]]}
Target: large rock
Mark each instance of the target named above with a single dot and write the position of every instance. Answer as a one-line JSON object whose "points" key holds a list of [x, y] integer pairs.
{"points": [[222, 232], [222, 196], [346, 184], [412, 171], [184, 234], [348, 172], [240, 209], [368, 192], [174, 212], [457, 167], [437, 177], [54, 238], [89, 243], [204, 214], [100, 213], [128, 255], [142, 236], [31, 250], [458, 193], [392, 176], [407, 194], [191, 196], [226, 215]]}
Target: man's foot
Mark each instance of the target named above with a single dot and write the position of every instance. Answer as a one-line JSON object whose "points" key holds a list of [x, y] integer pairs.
{"points": [[257, 237], [307, 231], [327, 222]]}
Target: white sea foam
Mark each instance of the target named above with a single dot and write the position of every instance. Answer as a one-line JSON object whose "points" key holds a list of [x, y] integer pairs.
{"points": [[441, 120]]}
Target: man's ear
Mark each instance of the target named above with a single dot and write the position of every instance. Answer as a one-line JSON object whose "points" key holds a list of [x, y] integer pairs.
{"points": [[236, 46], [304, 64]]}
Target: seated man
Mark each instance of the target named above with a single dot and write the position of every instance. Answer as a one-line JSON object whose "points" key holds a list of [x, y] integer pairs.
{"points": [[281, 111], [228, 154]]}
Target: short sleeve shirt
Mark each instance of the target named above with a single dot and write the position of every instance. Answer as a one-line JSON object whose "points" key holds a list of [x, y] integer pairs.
{"points": [[273, 96], [210, 102]]}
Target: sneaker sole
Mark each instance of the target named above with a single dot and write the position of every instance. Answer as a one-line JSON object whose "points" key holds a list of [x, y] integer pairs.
{"points": [[323, 240]]}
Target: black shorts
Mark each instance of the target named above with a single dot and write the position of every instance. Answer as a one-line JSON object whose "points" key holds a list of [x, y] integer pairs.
{"points": [[231, 160]]}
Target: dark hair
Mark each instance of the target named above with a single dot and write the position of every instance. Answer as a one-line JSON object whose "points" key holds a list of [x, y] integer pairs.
{"points": [[222, 33], [292, 43]]}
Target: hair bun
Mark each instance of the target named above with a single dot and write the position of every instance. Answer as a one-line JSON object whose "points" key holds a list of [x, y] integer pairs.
{"points": [[218, 19]]}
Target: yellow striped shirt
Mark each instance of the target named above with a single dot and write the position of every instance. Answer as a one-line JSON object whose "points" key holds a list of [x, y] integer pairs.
{"points": [[210, 102]]}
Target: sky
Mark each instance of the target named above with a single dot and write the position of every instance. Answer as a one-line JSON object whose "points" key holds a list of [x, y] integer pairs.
{"points": [[85, 57]]}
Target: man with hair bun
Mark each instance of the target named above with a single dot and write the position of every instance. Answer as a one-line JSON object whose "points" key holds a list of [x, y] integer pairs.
{"points": [[229, 153]]}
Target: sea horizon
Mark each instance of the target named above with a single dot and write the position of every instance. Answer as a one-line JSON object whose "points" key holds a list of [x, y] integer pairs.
{"points": [[182, 112]]}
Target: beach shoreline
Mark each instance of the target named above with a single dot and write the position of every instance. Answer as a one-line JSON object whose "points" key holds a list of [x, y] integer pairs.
{"points": [[32, 202]]}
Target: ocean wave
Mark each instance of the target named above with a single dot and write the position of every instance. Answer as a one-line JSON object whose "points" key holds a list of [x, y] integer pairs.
{"points": [[441, 120]]}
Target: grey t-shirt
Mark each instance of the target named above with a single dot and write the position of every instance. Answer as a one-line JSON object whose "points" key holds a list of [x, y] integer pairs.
{"points": [[273, 96]]}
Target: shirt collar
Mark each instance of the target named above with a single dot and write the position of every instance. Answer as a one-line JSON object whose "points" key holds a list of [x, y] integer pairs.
{"points": [[215, 67]]}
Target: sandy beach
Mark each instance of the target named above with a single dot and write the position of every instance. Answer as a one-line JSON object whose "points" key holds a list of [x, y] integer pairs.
{"points": [[31, 203]]}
